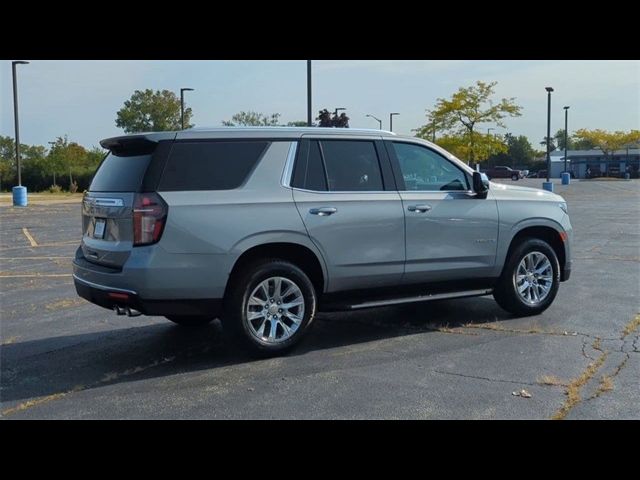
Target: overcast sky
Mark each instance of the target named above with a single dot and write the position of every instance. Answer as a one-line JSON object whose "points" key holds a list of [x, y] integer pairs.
{"points": [[81, 98]]}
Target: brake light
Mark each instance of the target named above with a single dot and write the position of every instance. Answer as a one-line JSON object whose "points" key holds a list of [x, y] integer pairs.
{"points": [[149, 217]]}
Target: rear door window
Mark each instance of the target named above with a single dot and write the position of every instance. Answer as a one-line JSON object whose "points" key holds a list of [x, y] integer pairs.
{"points": [[120, 173], [212, 165], [352, 165]]}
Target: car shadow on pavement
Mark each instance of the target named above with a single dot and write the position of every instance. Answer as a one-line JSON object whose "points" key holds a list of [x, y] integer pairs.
{"points": [[50, 366]]}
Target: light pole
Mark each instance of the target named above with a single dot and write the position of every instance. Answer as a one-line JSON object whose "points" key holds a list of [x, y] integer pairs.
{"points": [[182, 90], [566, 135], [548, 185], [308, 93], [433, 132], [375, 118], [391, 120], [15, 115], [54, 167]]}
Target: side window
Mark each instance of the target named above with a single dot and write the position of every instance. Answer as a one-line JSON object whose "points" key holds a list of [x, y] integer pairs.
{"points": [[425, 170], [309, 170], [351, 165], [210, 165]]}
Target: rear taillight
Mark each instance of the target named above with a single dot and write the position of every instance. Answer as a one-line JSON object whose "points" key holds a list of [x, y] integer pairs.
{"points": [[149, 217]]}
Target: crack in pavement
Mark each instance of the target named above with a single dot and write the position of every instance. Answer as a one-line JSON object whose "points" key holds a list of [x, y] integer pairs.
{"points": [[499, 380]]}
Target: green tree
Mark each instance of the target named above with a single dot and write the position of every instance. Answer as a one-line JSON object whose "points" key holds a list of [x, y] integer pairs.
{"points": [[552, 144], [149, 111], [331, 120], [582, 143], [609, 142], [7, 156], [559, 140], [519, 149], [466, 110], [253, 119]]}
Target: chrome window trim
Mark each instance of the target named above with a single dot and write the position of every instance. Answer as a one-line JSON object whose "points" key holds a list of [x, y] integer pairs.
{"points": [[343, 191], [288, 165]]}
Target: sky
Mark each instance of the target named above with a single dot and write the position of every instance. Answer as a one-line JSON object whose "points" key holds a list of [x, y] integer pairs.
{"points": [[80, 98]]}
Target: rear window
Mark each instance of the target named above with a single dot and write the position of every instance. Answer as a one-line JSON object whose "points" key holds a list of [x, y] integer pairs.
{"points": [[210, 165], [120, 174]]}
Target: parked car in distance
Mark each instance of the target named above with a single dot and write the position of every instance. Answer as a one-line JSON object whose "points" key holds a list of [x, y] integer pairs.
{"points": [[504, 172], [532, 175], [264, 227]]}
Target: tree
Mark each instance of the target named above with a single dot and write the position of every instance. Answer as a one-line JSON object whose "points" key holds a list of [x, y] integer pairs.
{"points": [[519, 149], [582, 143], [552, 144], [68, 157], [559, 140], [608, 142], [252, 119], [467, 109], [297, 123], [328, 119], [7, 156], [486, 145], [149, 111]]}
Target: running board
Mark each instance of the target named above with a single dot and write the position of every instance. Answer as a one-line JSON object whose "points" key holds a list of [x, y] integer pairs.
{"points": [[421, 298]]}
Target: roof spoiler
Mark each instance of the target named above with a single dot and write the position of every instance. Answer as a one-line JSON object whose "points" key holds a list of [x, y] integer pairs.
{"points": [[129, 145]]}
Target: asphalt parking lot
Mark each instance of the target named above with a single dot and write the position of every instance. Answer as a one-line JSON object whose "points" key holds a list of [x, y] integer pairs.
{"points": [[64, 358]]}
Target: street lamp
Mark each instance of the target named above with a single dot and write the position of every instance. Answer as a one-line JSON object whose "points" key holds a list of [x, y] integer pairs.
{"points": [[548, 185], [375, 118], [15, 115], [566, 135], [391, 120], [182, 90], [308, 93], [489, 130], [433, 131]]}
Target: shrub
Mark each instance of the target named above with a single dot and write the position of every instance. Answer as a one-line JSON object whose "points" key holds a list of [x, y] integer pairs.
{"points": [[73, 188], [55, 189]]}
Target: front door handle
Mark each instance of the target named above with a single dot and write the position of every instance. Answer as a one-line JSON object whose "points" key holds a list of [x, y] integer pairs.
{"points": [[323, 211], [419, 208]]}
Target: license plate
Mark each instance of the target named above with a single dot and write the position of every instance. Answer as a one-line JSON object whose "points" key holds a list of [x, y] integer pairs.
{"points": [[98, 230]]}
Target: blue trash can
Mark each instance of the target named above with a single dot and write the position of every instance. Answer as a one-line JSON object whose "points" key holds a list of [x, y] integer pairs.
{"points": [[566, 178], [547, 186], [19, 196]]}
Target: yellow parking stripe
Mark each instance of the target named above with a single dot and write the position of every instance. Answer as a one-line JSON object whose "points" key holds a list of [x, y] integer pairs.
{"points": [[32, 240]]}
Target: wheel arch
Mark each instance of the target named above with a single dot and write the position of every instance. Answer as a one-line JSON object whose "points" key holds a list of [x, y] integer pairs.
{"points": [[548, 231], [299, 253]]}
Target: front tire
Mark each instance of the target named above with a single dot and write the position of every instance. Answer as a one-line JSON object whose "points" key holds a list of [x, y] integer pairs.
{"points": [[515, 177], [269, 307], [530, 279]]}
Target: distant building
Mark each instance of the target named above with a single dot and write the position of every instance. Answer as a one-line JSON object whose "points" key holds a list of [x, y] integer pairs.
{"points": [[599, 164]]}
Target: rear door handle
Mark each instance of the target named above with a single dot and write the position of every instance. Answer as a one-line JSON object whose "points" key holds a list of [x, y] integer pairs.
{"points": [[323, 211], [419, 208]]}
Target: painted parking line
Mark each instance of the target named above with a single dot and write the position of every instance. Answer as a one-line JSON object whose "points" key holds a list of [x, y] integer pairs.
{"points": [[32, 240], [34, 275], [35, 258]]}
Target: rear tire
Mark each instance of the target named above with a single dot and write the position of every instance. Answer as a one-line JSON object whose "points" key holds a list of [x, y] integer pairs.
{"points": [[189, 320], [252, 314], [530, 279]]}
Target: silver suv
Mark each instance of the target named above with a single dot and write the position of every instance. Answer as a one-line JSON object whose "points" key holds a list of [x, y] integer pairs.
{"points": [[263, 227]]}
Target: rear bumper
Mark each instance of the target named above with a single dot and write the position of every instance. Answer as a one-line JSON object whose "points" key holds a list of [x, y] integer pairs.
{"points": [[109, 297]]}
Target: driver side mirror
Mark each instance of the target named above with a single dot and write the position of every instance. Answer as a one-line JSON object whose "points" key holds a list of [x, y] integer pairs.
{"points": [[480, 184]]}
